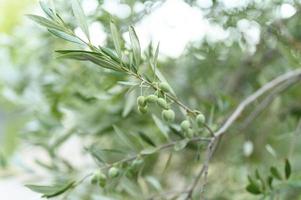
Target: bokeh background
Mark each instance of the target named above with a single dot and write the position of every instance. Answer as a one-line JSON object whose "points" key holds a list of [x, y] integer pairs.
{"points": [[214, 53]]}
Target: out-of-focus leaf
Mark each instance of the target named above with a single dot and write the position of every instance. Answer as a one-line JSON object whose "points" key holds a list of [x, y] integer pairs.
{"points": [[66, 36], [287, 169], [181, 144], [46, 9], [53, 190], [116, 38], [80, 17], [253, 189], [124, 137], [130, 102], [270, 182], [135, 45], [161, 126], [93, 57], [146, 139], [96, 154], [148, 151], [47, 23], [154, 183], [274, 171]]}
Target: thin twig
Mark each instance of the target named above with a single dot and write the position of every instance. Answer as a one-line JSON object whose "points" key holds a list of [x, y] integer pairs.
{"points": [[264, 104], [157, 149], [250, 99], [233, 117]]}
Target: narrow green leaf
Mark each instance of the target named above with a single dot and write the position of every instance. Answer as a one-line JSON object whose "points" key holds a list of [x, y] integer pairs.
{"points": [[181, 144], [46, 9], [270, 182], [46, 22], [146, 139], [96, 155], [274, 171], [116, 38], [66, 36], [161, 126], [154, 183], [258, 176], [80, 17], [94, 57], [253, 189], [130, 102], [287, 169], [124, 138], [110, 53], [52, 191], [148, 151], [155, 59], [135, 45]]}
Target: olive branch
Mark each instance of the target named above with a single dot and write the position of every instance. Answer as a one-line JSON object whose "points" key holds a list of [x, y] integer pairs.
{"points": [[129, 61]]}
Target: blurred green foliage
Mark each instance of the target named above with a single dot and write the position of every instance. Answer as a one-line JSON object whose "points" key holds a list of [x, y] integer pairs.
{"points": [[46, 102]]}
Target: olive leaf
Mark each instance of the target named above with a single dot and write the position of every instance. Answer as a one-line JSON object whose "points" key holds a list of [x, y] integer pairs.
{"points": [[93, 57], [80, 17], [253, 186], [116, 38], [135, 45], [181, 144], [53, 190], [275, 173], [287, 169], [146, 138], [46, 23], [66, 36], [46, 9]]}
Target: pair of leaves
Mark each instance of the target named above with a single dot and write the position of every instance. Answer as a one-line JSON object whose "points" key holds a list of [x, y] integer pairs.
{"points": [[258, 185], [93, 57], [287, 171], [53, 190]]}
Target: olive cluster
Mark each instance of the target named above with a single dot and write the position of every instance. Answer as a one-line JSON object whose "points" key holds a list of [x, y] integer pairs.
{"points": [[186, 125], [168, 114], [113, 172]]}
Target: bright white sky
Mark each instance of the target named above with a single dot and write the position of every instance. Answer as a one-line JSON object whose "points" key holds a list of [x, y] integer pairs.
{"points": [[175, 23]]}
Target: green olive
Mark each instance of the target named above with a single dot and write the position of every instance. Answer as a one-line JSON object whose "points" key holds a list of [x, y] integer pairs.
{"points": [[200, 119], [141, 101], [164, 87], [185, 125], [151, 98], [113, 172], [189, 133], [168, 115], [142, 110], [162, 103]]}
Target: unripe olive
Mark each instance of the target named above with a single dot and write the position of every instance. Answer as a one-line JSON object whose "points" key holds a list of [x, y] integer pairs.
{"points": [[136, 163], [164, 87], [189, 133], [113, 172], [200, 119], [151, 98], [162, 103], [141, 101], [99, 177], [168, 115], [185, 125], [94, 179], [102, 179], [142, 110]]}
